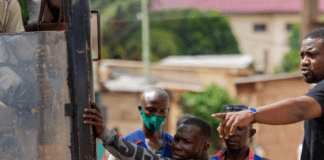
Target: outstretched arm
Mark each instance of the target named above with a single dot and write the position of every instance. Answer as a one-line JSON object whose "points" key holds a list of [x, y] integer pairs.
{"points": [[125, 150], [283, 112], [117, 146]]}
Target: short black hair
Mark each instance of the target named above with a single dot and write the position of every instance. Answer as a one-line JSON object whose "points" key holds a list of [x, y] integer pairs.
{"points": [[205, 128], [184, 118], [318, 33]]}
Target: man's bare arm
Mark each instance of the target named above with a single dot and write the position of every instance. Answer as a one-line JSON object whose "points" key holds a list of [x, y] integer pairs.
{"points": [[289, 111], [283, 112]]}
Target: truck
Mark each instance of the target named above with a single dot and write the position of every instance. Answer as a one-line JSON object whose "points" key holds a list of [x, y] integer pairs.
{"points": [[46, 82]]}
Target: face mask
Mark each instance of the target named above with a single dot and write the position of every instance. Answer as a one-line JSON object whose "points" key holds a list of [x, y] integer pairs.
{"points": [[153, 123]]}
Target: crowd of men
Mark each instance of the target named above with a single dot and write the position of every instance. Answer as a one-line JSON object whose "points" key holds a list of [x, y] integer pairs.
{"points": [[192, 138], [193, 135]]}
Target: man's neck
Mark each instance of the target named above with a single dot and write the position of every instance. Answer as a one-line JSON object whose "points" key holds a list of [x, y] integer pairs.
{"points": [[204, 157], [152, 136], [237, 154], [153, 139]]}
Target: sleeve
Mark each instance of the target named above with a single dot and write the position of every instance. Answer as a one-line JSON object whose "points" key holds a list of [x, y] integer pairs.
{"points": [[14, 22], [318, 93], [124, 150]]}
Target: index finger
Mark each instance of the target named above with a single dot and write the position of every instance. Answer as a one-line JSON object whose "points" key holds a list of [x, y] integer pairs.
{"points": [[219, 115], [233, 127]]}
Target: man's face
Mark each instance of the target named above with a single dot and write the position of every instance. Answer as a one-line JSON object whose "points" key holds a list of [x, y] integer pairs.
{"points": [[312, 60], [187, 142], [154, 106], [240, 139]]}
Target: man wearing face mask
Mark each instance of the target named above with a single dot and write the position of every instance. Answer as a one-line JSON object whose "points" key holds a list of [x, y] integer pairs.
{"points": [[154, 110]]}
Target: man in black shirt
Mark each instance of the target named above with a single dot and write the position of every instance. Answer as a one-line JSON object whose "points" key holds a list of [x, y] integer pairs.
{"points": [[308, 107]]}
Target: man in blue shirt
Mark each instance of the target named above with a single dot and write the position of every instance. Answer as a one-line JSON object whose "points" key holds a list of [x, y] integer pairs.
{"points": [[154, 109]]}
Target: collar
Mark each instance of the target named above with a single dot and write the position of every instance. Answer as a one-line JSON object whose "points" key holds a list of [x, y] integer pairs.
{"points": [[221, 154], [144, 142]]}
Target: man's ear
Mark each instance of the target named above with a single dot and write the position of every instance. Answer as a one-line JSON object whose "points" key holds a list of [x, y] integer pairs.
{"points": [[140, 107], [205, 148], [252, 132]]}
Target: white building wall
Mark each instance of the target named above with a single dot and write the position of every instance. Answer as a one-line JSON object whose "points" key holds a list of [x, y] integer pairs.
{"points": [[272, 41]]}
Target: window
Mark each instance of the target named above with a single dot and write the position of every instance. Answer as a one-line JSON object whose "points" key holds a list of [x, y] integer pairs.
{"points": [[288, 26], [260, 27]]}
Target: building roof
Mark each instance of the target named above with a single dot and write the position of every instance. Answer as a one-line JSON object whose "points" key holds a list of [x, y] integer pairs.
{"points": [[120, 63], [236, 6], [262, 78], [128, 81], [213, 61]]}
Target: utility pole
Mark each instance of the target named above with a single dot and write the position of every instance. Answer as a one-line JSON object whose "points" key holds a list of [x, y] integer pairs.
{"points": [[146, 42], [309, 17]]}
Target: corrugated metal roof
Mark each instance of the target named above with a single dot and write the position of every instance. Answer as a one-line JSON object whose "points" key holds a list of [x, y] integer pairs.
{"points": [[261, 78], [214, 61], [236, 6], [127, 83]]}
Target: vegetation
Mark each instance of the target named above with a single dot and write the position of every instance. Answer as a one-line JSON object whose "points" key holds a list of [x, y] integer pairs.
{"points": [[24, 11], [173, 32], [291, 60], [205, 103]]}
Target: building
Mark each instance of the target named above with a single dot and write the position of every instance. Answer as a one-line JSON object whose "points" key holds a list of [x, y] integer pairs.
{"points": [[278, 142], [123, 83], [261, 26]]}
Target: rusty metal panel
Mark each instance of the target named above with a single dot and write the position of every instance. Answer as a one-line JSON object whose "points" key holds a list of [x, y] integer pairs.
{"points": [[77, 13], [33, 93]]}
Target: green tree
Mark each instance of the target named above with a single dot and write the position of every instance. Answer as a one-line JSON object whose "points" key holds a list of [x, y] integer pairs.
{"points": [[173, 32], [205, 103], [24, 11], [291, 60]]}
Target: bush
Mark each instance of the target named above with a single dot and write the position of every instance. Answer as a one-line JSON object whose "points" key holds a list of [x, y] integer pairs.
{"points": [[205, 103], [290, 62]]}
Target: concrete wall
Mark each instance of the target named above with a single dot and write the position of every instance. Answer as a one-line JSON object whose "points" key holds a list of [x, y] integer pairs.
{"points": [[122, 111], [273, 41], [224, 77], [279, 142]]}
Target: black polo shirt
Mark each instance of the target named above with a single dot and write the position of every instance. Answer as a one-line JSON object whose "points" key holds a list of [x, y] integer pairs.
{"points": [[313, 144]]}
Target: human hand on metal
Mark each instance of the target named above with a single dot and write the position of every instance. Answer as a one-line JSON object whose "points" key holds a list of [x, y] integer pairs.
{"points": [[231, 121], [94, 118]]}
